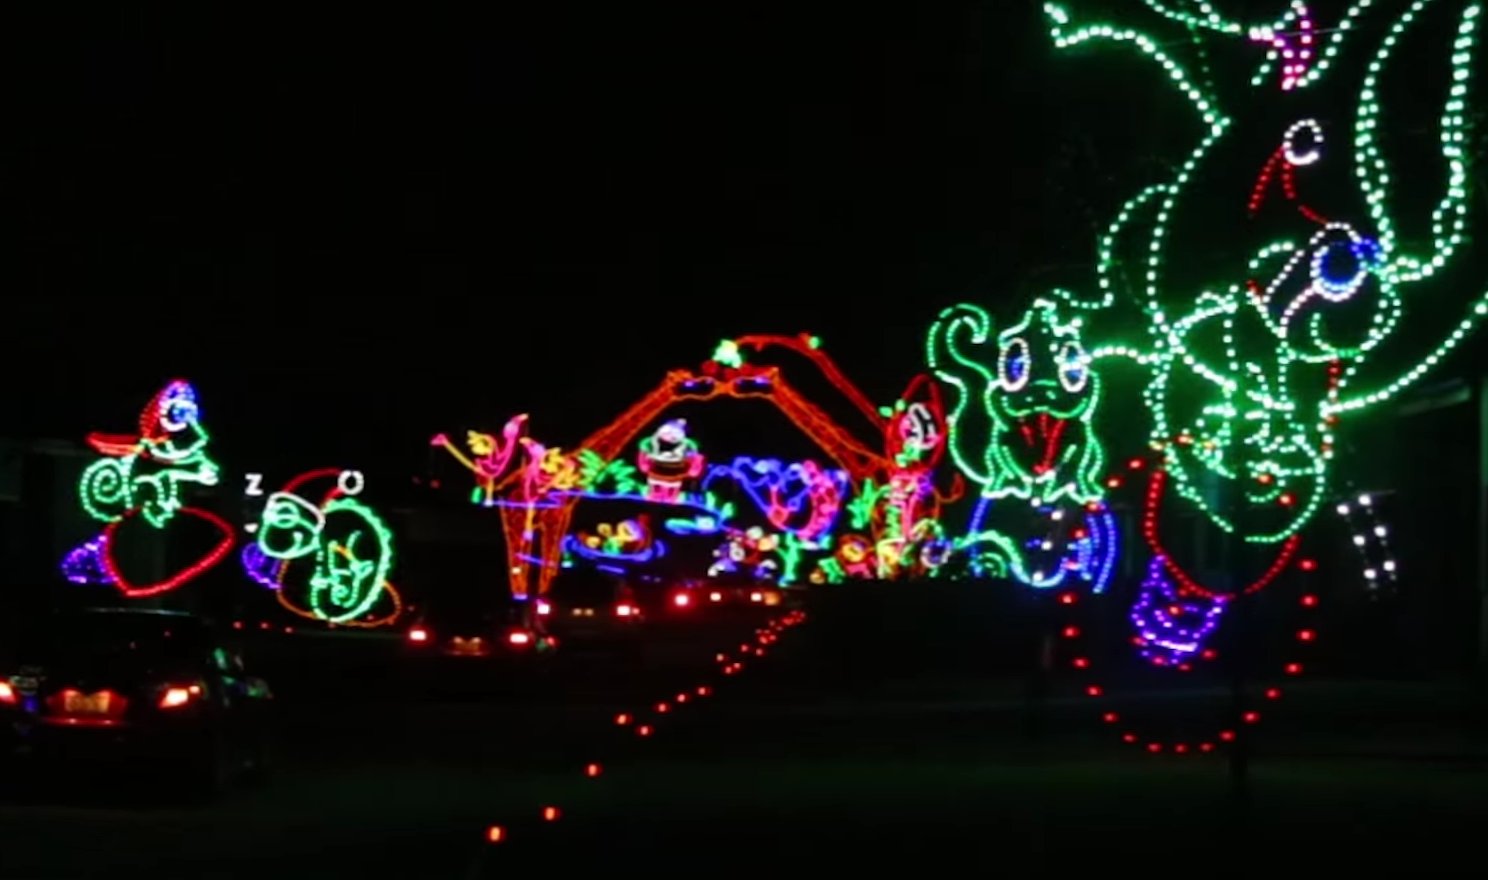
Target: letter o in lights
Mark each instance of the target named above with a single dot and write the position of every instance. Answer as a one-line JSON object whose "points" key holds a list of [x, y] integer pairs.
{"points": [[351, 482]]}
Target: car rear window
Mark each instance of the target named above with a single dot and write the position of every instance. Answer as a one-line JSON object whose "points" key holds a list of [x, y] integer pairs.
{"points": [[583, 588], [441, 613], [105, 636]]}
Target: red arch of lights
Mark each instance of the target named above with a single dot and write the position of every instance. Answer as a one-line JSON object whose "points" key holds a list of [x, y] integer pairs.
{"points": [[534, 527]]}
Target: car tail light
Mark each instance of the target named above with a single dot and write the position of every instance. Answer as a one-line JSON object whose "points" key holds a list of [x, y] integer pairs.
{"points": [[756, 596], [418, 635], [682, 600], [175, 696], [624, 610], [519, 637], [715, 596], [543, 608], [7, 694]]}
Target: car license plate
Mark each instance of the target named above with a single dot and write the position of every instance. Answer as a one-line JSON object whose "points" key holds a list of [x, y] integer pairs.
{"points": [[583, 612], [86, 704]]}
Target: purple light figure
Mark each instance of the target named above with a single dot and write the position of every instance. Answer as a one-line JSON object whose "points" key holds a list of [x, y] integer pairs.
{"points": [[1171, 629], [260, 566], [84, 563]]}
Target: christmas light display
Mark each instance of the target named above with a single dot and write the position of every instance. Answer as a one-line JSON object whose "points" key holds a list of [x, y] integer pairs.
{"points": [[1250, 375], [140, 477], [328, 559], [802, 498], [536, 499]]}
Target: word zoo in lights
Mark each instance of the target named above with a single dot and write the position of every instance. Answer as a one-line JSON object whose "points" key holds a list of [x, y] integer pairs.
{"points": [[1021, 429], [139, 479], [327, 559]]}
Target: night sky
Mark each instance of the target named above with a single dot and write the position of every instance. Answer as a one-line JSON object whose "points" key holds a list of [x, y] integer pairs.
{"points": [[351, 232]]}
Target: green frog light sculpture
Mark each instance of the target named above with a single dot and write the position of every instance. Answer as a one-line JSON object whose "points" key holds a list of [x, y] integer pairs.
{"points": [[1021, 429]]}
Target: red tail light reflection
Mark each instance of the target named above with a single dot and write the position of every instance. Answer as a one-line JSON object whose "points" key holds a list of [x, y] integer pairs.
{"points": [[418, 634], [176, 696]]}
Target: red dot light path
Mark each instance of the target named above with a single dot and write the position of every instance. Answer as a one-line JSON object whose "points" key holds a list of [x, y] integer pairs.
{"points": [[643, 723], [1073, 637]]}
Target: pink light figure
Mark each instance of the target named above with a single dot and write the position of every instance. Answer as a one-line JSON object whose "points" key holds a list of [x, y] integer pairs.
{"points": [[490, 458], [1293, 47]]}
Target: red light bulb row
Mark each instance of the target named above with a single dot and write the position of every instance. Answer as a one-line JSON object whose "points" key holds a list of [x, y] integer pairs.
{"points": [[1187, 584], [1073, 634], [765, 636], [264, 625]]}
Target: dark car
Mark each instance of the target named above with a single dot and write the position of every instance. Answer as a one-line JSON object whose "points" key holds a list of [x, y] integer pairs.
{"points": [[475, 630], [156, 691], [584, 605]]}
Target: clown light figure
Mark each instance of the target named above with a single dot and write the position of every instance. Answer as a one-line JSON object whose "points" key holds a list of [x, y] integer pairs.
{"points": [[668, 458]]}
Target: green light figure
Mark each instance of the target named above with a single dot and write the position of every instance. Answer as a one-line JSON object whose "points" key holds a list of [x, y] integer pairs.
{"points": [[1256, 349], [1035, 391], [351, 547], [144, 474]]}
